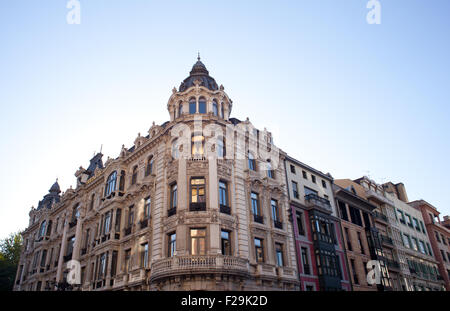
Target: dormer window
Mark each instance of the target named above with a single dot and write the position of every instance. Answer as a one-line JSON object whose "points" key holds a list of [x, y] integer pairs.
{"points": [[202, 105], [192, 106], [111, 183]]}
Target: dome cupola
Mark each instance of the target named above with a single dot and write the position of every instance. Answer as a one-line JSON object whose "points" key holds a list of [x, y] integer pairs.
{"points": [[200, 73]]}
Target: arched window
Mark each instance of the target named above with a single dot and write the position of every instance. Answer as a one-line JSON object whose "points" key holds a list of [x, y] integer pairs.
{"points": [[222, 111], [192, 106], [215, 108], [91, 206], [251, 162], [49, 228], [42, 229], [149, 168], [122, 181], [111, 183], [202, 105], [180, 109], [198, 144], [220, 147], [134, 176]]}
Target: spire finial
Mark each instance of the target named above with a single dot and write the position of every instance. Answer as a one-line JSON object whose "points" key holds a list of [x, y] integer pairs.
{"points": [[198, 57]]}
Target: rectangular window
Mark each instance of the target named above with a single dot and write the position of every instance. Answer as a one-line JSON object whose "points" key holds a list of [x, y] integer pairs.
{"points": [[343, 210], [360, 243], [292, 169], [130, 215], [416, 224], [192, 107], [305, 176], [225, 241], [144, 259], [147, 207], [114, 263], [407, 241], [107, 224], [305, 261], [429, 249], [443, 255], [324, 184], [355, 275], [401, 217], [415, 244], [198, 197], [43, 258], [259, 250], [274, 206], [347, 237], [173, 199], [255, 203], [279, 254], [313, 178], [300, 227], [422, 247], [172, 244], [295, 189], [202, 107], [422, 226], [223, 193], [198, 242], [309, 191], [437, 236], [127, 262], [409, 220]]}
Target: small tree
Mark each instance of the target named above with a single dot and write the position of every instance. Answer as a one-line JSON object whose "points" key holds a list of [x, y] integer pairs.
{"points": [[10, 249]]}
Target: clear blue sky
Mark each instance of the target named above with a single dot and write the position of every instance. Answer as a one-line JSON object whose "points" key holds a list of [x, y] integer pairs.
{"points": [[339, 94]]}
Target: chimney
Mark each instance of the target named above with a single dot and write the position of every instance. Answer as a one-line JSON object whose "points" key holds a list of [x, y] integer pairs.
{"points": [[401, 192]]}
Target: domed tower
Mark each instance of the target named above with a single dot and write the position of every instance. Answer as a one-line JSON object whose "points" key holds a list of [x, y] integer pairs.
{"points": [[199, 94]]}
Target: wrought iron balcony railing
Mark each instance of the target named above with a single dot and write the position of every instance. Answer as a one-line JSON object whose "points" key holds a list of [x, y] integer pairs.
{"points": [[225, 209], [313, 200], [198, 206], [258, 218]]}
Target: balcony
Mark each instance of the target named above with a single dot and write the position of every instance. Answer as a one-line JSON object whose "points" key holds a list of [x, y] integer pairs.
{"points": [[144, 223], [197, 207], [198, 264], [225, 209], [313, 200], [278, 224], [172, 211], [258, 218]]}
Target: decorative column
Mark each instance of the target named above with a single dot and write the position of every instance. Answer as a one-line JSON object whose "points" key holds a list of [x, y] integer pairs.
{"points": [[214, 228], [62, 251], [182, 206], [78, 236]]}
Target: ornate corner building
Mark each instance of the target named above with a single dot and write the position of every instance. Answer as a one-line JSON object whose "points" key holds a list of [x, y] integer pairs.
{"points": [[176, 211]]}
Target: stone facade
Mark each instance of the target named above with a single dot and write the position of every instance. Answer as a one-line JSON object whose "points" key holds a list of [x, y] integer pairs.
{"points": [[176, 211]]}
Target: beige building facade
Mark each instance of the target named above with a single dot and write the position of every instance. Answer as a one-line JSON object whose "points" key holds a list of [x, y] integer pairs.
{"points": [[197, 204]]}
